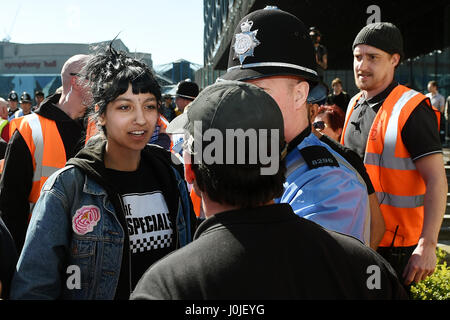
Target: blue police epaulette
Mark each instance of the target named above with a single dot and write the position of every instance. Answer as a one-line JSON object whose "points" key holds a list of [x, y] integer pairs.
{"points": [[318, 156]]}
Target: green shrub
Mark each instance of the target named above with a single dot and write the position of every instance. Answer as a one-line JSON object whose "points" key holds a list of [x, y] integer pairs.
{"points": [[436, 286]]}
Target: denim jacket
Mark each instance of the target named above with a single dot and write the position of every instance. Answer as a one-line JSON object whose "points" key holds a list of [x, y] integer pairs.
{"points": [[54, 256]]}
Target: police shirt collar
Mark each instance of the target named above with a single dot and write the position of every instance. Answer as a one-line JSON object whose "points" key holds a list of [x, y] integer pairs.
{"points": [[298, 139]]}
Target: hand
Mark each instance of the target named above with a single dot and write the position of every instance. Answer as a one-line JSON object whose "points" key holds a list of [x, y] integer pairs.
{"points": [[421, 264]]}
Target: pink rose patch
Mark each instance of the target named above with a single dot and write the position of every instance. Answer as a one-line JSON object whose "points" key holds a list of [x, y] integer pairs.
{"points": [[85, 219]]}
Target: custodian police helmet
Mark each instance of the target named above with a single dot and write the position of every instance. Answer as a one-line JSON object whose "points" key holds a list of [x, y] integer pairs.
{"points": [[12, 96], [270, 42], [25, 97]]}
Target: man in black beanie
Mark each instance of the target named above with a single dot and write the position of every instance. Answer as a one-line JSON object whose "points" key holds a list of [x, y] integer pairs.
{"points": [[186, 92], [395, 130]]}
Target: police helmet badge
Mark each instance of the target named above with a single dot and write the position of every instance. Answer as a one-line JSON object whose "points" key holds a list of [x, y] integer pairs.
{"points": [[245, 41]]}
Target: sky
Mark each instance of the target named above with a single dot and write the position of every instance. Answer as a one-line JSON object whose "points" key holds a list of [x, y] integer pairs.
{"points": [[168, 29]]}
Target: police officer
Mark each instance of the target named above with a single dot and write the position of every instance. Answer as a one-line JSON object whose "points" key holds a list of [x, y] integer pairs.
{"points": [[186, 93], [272, 49], [38, 97], [13, 101], [25, 103]]}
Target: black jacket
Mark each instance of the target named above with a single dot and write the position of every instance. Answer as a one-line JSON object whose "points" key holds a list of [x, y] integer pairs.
{"points": [[269, 253], [17, 177], [8, 259]]}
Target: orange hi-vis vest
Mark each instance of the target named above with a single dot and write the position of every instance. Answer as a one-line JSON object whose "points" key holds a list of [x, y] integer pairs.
{"points": [[3, 123], [399, 186], [46, 148], [13, 124]]}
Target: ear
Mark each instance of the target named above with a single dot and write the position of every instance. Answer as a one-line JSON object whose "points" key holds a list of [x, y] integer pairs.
{"points": [[395, 59], [313, 109], [74, 82], [301, 91]]}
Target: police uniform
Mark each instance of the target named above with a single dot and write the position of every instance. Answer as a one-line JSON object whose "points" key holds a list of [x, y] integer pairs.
{"points": [[320, 184], [12, 96], [25, 97]]}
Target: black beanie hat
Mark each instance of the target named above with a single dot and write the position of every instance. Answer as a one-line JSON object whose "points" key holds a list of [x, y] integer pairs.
{"points": [[381, 35], [187, 89]]}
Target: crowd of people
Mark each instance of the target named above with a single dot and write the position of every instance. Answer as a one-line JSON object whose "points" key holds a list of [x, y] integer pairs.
{"points": [[109, 190]]}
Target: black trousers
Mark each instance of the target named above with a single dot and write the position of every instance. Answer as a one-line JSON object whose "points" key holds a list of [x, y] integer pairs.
{"points": [[398, 258]]}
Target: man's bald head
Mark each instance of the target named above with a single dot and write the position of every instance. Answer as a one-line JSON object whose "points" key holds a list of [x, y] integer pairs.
{"points": [[72, 66], [75, 95]]}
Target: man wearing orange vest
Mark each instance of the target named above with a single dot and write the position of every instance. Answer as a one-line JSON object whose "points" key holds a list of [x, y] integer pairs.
{"points": [[40, 144], [395, 130]]}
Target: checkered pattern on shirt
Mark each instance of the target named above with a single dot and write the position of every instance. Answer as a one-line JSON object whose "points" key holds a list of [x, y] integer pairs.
{"points": [[151, 243]]}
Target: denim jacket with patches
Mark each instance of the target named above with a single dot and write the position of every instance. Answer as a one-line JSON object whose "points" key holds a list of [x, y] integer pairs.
{"points": [[54, 255]]}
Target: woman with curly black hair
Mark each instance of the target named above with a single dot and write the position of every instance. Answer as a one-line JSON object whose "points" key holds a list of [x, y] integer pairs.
{"points": [[117, 207]]}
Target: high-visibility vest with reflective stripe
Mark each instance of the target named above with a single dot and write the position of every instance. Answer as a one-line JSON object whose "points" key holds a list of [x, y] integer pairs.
{"points": [[399, 186], [46, 148], [3, 124], [14, 124]]}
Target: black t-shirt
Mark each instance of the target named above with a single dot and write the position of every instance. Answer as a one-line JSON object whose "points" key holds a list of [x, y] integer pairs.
{"points": [[419, 134], [150, 226]]}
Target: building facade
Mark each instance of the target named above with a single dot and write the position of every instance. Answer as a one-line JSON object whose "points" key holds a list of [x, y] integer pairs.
{"points": [[425, 27], [37, 66], [220, 19]]}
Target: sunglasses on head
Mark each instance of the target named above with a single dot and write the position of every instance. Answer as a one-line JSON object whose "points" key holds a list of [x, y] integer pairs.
{"points": [[319, 125], [79, 75]]}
